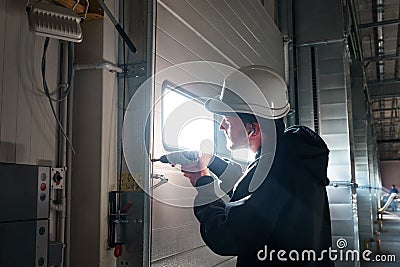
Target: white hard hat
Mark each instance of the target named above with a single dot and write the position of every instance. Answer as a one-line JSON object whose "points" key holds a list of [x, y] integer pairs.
{"points": [[253, 89]]}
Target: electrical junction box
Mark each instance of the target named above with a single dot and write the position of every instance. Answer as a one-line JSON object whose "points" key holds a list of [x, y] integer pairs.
{"points": [[58, 178]]}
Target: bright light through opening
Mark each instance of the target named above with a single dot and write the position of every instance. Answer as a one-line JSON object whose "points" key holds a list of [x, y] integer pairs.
{"points": [[195, 132], [186, 123]]}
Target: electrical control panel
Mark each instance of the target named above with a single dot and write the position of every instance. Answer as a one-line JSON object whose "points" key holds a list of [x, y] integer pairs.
{"points": [[24, 213]]}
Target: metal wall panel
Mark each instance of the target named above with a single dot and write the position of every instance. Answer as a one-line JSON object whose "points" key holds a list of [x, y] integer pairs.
{"points": [[366, 201], [366, 211], [359, 108], [317, 21], [10, 81], [333, 99], [229, 32], [334, 126], [332, 103], [331, 61], [224, 29], [304, 76], [333, 111], [342, 216], [332, 81], [27, 128], [324, 90], [373, 169]]}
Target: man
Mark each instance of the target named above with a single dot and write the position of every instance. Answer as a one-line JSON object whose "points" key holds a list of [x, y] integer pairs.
{"points": [[280, 203], [392, 190]]}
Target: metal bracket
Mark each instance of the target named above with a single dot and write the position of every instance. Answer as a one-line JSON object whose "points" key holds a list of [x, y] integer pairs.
{"points": [[135, 70], [163, 180], [344, 184]]}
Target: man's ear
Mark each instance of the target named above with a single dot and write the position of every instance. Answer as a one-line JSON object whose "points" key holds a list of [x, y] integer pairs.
{"points": [[254, 130]]}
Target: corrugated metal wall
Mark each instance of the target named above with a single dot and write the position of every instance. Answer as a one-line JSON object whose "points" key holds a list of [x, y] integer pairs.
{"points": [[360, 124], [330, 117], [366, 197], [335, 129], [324, 96], [230, 32], [332, 122], [27, 127]]}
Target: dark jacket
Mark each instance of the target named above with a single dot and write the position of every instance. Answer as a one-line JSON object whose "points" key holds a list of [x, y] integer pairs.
{"points": [[288, 211]]}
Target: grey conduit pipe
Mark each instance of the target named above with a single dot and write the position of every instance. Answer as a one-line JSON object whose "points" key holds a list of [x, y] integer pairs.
{"points": [[62, 144], [105, 65], [67, 230]]}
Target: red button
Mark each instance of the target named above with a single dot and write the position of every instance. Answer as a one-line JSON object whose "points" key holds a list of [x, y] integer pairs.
{"points": [[43, 186]]}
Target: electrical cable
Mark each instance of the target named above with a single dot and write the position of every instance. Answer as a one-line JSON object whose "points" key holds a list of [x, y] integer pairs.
{"points": [[47, 93], [68, 85]]}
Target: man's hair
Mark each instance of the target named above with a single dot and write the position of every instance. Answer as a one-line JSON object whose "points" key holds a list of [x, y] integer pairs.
{"points": [[250, 118]]}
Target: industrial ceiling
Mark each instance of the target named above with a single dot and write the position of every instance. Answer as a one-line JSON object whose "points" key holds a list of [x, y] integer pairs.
{"points": [[379, 32]]}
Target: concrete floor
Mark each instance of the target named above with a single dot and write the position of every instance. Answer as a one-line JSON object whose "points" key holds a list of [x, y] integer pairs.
{"points": [[390, 240]]}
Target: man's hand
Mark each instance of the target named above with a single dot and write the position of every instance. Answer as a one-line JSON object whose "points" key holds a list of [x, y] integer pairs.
{"points": [[197, 169]]}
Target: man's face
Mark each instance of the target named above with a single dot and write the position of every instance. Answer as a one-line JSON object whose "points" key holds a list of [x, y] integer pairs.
{"points": [[235, 132]]}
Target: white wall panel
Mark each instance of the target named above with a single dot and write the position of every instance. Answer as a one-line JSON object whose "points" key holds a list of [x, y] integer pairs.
{"points": [[195, 22], [215, 24], [27, 126], [170, 239], [216, 19], [192, 41], [229, 32], [40, 105], [10, 81], [50, 124], [3, 9], [258, 27], [24, 116], [175, 51]]}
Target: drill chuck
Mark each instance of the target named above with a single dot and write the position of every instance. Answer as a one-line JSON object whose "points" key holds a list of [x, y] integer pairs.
{"points": [[179, 157]]}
